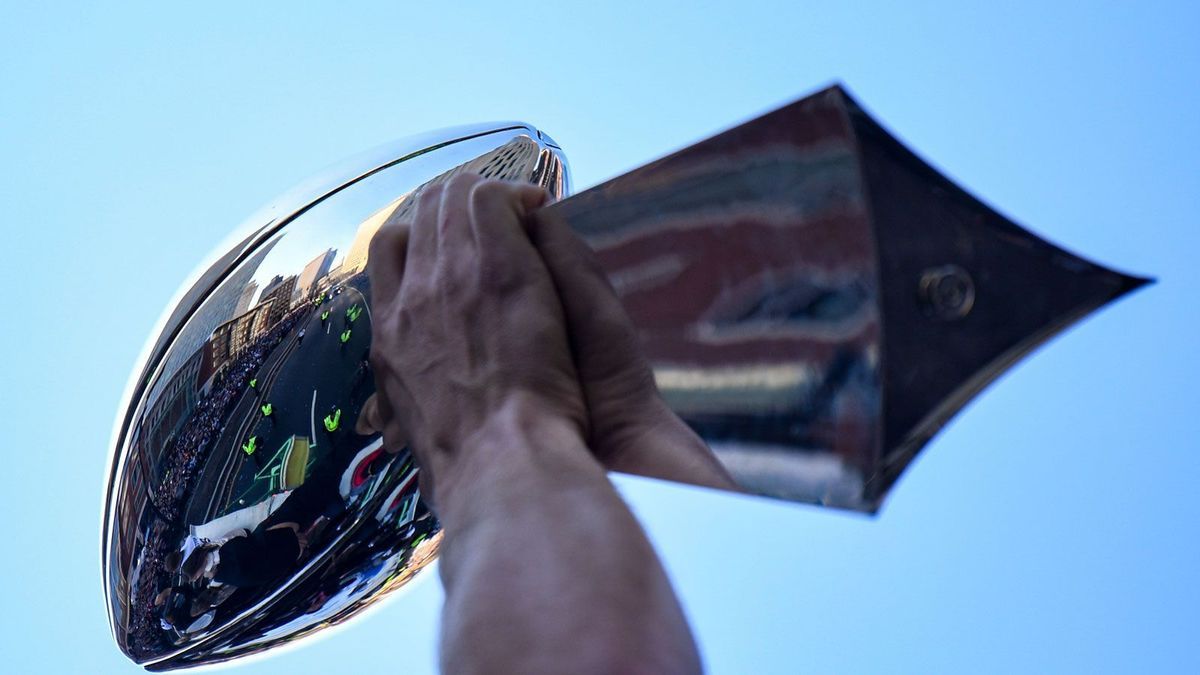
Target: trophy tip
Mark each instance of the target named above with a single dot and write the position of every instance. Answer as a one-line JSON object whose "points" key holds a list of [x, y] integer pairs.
{"points": [[1121, 283], [1132, 282]]}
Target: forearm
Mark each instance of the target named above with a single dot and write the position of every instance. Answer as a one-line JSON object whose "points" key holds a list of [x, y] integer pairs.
{"points": [[545, 568]]}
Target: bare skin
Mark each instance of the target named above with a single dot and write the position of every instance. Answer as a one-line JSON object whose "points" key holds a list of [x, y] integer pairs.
{"points": [[631, 428], [544, 567]]}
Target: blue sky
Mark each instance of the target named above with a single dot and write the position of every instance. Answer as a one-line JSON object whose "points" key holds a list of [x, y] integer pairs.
{"points": [[1050, 528]]}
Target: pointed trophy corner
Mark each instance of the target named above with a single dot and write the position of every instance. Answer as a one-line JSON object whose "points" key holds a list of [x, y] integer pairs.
{"points": [[965, 294]]}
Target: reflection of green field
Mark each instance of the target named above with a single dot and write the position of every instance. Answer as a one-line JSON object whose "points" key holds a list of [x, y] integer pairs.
{"points": [[286, 470]]}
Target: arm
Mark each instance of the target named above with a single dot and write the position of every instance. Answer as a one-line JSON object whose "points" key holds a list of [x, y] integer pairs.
{"points": [[544, 567]]}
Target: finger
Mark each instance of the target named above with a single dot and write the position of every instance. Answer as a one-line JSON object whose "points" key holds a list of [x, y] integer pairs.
{"points": [[531, 197], [614, 372], [499, 212], [370, 419], [384, 418], [385, 259], [455, 234], [423, 237], [602, 336]]}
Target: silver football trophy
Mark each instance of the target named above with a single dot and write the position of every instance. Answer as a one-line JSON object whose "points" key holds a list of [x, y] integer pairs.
{"points": [[816, 302]]}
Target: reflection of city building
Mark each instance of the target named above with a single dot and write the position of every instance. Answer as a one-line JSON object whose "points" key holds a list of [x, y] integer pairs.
{"points": [[213, 339], [335, 274], [515, 160], [271, 286], [512, 161], [317, 268], [218, 308], [356, 257], [231, 337], [247, 297], [189, 363], [280, 298], [173, 406]]}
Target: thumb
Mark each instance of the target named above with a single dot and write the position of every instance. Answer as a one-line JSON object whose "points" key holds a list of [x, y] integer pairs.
{"points": [[603, 338]]}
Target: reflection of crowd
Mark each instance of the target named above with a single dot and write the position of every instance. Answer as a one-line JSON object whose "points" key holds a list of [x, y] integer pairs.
{"points": [[381, 554], [166, 601], [207, 420], [143, 636], [183, 456]]}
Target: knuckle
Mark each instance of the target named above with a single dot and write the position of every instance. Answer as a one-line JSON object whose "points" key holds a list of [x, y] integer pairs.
{"points": [[408, 314], [463, 180], [377, 357], [489, 191], [429, 197], [380, 357]]}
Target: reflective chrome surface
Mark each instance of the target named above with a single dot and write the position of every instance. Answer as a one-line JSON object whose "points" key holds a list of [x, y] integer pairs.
{"points": [[247, 506], [815, 300]]}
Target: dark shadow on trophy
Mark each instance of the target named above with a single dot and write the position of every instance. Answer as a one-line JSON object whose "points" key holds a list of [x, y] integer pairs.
{"points": [[816, 302]]}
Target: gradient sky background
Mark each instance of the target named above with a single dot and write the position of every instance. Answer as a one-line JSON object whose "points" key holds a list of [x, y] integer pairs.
{"points": [[1052, 527]]}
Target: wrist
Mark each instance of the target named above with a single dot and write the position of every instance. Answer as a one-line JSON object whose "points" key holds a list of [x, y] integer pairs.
{"points": [[522, 420], [523, 446]]}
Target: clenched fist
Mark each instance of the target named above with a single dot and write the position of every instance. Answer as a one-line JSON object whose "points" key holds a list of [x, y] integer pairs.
{"points": [[544, 567], [467, 324]]}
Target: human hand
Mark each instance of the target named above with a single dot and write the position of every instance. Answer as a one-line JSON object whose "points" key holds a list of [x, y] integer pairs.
{"points": [[632, 428], [466, 320]]}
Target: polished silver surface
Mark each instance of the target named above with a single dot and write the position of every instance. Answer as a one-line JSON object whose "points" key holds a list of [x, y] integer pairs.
{"points": [[814, 299], [246, 505]]}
